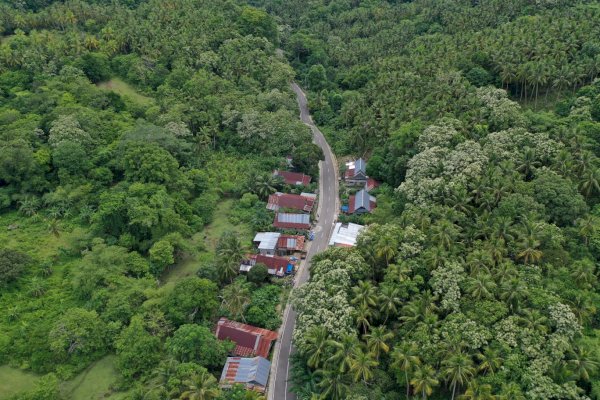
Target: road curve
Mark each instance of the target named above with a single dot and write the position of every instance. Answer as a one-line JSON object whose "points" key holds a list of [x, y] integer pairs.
{"points": [[279, 382]]}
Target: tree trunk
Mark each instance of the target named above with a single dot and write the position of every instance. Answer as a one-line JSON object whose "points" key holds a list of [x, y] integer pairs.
{"points": [[407, 384], [453, 390]]}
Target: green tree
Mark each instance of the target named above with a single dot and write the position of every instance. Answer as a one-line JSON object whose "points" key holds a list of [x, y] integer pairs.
{"points": [[405, 358], [201, 386], [196, 343], [191, 300], [137, 350], [161, 255], [12, 264], [77, 333]]}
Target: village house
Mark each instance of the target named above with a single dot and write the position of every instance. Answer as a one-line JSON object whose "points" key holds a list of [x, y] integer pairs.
{"points": [[249, 340], [292, 221], [361, 202], [253, 373], [275, 243], [290, 201], [345, 235], [293, 178], [278, 266], [356, 172]]}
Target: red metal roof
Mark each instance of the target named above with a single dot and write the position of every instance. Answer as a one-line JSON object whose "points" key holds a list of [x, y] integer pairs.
{"points": [[249, 339], [294, 201], [273, 262], [372, 184], [293, 178], [290, 242]]}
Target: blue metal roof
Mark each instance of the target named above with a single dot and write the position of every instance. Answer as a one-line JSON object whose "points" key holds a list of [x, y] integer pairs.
{"points": [[360, 165], [362, 199], [293, 218], [247, 370]]}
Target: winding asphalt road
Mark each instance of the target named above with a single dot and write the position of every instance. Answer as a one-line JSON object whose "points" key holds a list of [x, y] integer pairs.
{"points": [[279, 382]]}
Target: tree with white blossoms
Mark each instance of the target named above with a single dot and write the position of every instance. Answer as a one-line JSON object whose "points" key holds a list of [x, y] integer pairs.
{"points": [[498, 110], [315, 309], [445, 282], [67, 128]]}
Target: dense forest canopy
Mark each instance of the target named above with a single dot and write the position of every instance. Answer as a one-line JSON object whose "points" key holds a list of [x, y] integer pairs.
{"points": [[123, 127], [477, 277], [126, 125]]}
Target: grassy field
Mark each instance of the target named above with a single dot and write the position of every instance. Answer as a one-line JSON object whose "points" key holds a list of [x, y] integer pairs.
{"points": [[13, 381], [208, 239], [124, 89], [222, 224], [94, 382]]}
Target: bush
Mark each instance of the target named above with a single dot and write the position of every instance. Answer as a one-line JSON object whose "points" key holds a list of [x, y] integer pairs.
{"points": [[12, 264], [258, 274]]}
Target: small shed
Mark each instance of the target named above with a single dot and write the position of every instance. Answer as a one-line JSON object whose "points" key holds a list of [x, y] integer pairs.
{"points": [[292, 221], [253, 373]]}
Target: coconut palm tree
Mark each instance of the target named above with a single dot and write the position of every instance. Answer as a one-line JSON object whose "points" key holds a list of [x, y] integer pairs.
{"points": [[201, 386], [481, 286], [389, 301], [363, 315], [405, 358], [477, 391], [362, 365], [333, 384], [364, 294], [489, 360], [377, 341], [510, 391], [458, 370], [316, 339], [582, 363], [590, 182], [340, 360], [424, 380], [529, 250]]}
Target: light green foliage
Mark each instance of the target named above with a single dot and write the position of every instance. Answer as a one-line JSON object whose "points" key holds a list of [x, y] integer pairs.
{"points": [[161, 255], [77, 334], [197, 344]]}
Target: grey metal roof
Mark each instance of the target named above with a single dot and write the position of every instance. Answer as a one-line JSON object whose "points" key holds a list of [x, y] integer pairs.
{"points": [[362, 199], [293, 218], [360, 165], [268, 240], [249, 370], [345, 235], [291, 243]]}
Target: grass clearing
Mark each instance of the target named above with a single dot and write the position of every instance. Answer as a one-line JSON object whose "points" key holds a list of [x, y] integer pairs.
{"points": [[221, 224], [124, 89], [94, 382], [14, 380], [207, 239]]}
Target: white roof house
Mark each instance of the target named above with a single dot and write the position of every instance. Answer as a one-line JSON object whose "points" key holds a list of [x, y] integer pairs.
{"points": [[345, 235], [267, 242]]}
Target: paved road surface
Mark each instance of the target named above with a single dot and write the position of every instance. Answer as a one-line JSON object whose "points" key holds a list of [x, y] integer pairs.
{"points": [[279, 387]]}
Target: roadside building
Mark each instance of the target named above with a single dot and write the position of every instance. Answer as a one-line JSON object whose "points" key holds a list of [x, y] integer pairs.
{"points": [[278, 266], [249, 340], [253, 373], [356, 172], [293, 178], [266, 242], [345, 235], [291, 221], [290, 201], [361, 202], [290, 244]]}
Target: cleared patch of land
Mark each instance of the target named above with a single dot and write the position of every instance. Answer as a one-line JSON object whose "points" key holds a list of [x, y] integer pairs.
{"points": [[13, 381], [126, 90], [94, 382]]}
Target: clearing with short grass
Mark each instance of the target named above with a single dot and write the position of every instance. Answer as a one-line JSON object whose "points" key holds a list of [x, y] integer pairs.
{"points": [[126, 90], [13, 381]]}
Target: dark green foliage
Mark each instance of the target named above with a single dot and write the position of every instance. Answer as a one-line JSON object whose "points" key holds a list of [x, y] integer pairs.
{"points": [[262, 308], [12, 264], [191, 300], [137, 350], [258, 274]]}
